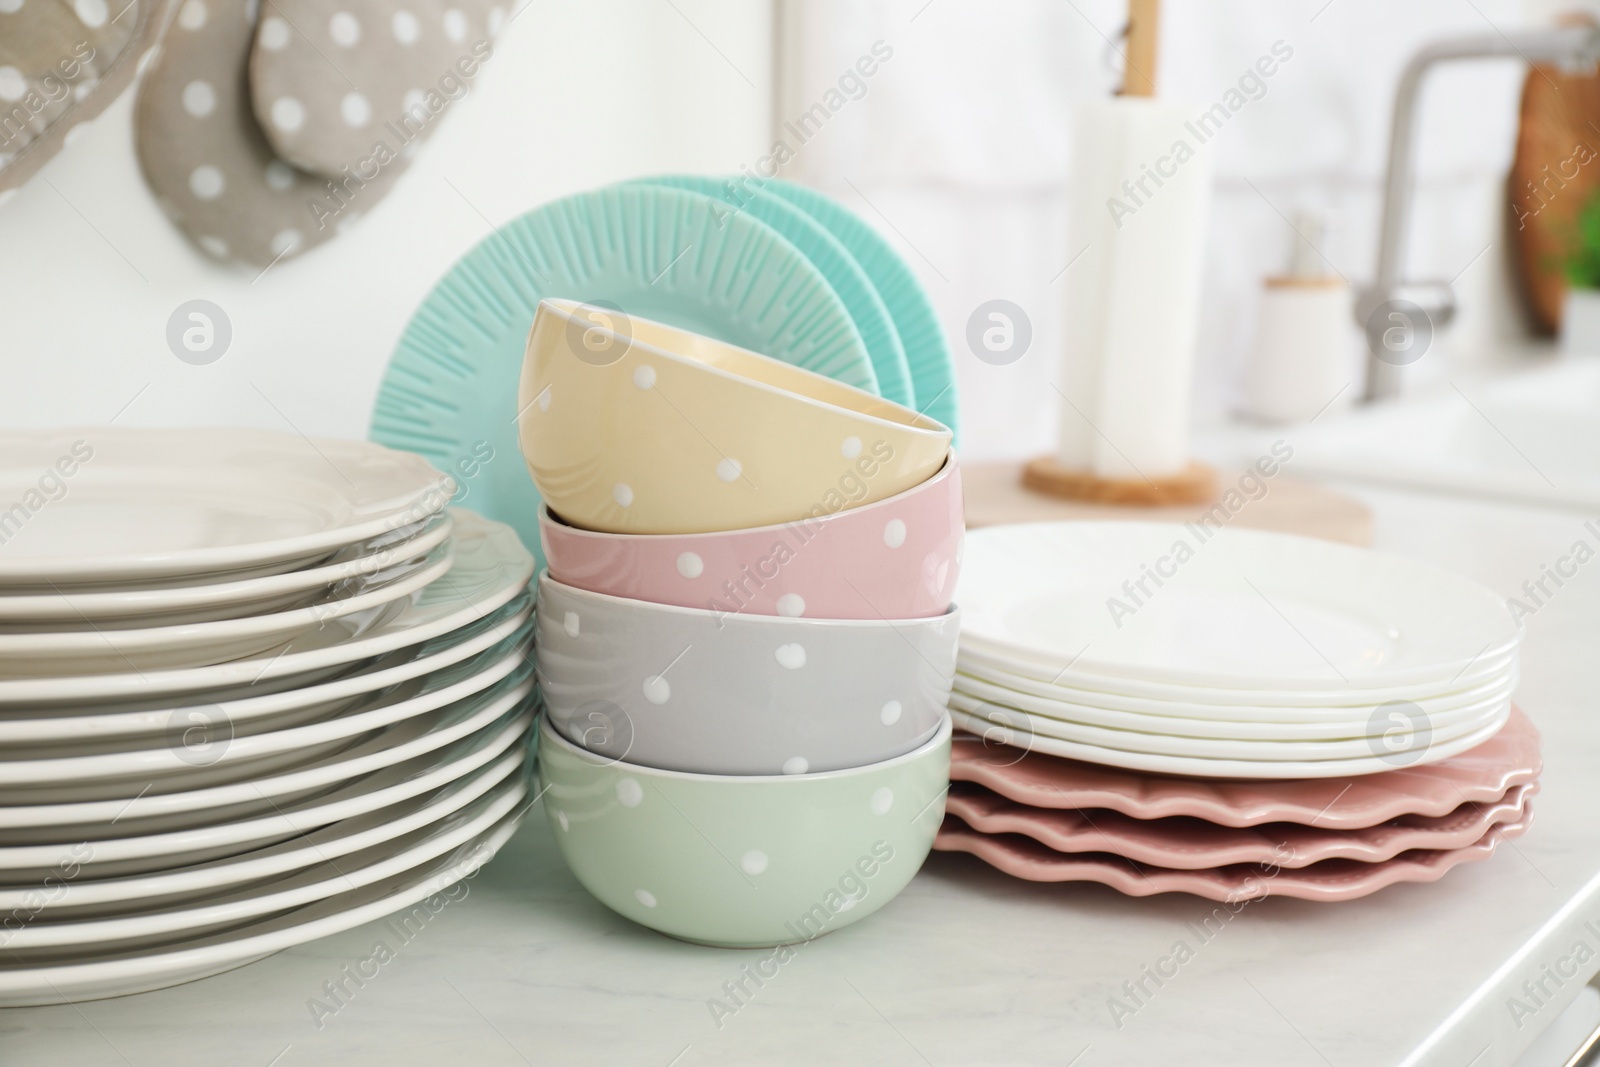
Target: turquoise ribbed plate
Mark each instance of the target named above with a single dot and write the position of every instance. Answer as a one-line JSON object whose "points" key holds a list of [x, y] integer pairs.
{"points": [[450, 391], [933, 374], [860, 296]]}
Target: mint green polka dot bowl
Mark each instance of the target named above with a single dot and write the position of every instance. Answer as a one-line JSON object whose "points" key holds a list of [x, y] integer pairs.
{"points": [[743, 861]]}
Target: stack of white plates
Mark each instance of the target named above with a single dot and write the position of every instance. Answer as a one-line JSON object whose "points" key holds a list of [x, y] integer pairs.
{"points": [[1194, 650], [254, 689]]}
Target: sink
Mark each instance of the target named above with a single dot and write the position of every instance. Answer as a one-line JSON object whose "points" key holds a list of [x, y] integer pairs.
{"points": [[1531, 436]]}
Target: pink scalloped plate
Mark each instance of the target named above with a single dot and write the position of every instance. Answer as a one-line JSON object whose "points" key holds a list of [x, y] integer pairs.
{"points": [[1330, 880], [1478, 775], [1186, 843]]}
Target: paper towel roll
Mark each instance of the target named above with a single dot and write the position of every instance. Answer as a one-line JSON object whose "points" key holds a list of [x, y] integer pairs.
{"points": [[1141, 190]]}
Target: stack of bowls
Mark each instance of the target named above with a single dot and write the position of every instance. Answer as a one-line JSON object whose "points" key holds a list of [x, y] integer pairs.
{"points": [[746, 636]]}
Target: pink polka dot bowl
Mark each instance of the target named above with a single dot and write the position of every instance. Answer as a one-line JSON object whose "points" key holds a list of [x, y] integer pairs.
{"points": [[686, 689], [895, 559]]}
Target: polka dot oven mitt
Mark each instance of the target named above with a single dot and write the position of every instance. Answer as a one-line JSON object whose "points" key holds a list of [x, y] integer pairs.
{"points": [[205, 153], [212, 171], [345, 84], [61, 63]]}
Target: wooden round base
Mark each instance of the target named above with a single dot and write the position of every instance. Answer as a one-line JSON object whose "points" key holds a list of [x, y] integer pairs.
{"points": [[1196, 484]]}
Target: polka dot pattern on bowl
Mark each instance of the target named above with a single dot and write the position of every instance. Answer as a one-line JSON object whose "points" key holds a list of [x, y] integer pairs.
{"points": [[895, 559], [790, 656], [630, 794], [745, 861], [726, 693]]}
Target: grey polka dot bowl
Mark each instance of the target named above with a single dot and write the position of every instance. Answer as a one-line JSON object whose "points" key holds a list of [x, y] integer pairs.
{"points": [[633, 426], [744, 862], [717, 693], [896, 559]]}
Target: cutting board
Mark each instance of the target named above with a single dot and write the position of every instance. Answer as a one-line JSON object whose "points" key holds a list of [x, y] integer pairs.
{"points": [[995, 495], [1555, 170]]}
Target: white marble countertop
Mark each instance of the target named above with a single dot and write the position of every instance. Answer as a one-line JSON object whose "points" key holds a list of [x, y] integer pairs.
{"points": [[967, 966]]}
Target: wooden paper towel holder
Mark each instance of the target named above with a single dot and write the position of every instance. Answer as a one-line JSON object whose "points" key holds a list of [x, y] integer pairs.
{"points": [[1195, 484], [1144, 35]]}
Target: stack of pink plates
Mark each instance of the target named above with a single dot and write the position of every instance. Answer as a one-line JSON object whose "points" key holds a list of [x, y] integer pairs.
{"points": [[1050, 819]]}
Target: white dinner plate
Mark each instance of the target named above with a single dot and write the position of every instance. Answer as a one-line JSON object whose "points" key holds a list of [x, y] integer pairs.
{"points": [[1008, 730], [171, 603], [1475, 676], [333, 762], [198, 776], [110, 503], [1236, 608], [143, 853], [1221, 748], [98, 650], [85, 896], [110, 974], [1373, 722], [165, 922], [1292, 715], [271, 703], [491, 567], [154, 776]]}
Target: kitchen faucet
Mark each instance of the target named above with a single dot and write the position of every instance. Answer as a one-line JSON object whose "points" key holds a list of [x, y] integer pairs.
{"points": [[1389, 309]]}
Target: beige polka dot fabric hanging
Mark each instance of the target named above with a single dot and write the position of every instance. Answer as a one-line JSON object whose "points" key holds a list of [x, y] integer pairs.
{"points": [[212, 171], [354, 82], [258, 128], [61, 63]]}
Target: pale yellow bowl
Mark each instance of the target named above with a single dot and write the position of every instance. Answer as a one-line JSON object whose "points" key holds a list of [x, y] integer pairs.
{"points": [[634, 426]]}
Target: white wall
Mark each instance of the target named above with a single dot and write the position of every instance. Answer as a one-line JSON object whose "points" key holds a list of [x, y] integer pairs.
{"points": [[579, 93], [962, 143], [960, 152]]}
